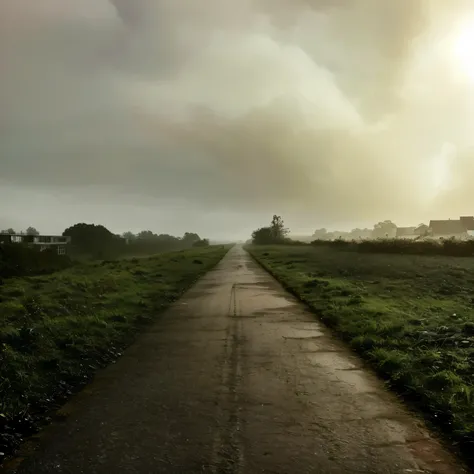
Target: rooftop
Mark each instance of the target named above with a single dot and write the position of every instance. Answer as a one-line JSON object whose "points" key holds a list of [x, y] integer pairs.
{"points": [[447, 227]]}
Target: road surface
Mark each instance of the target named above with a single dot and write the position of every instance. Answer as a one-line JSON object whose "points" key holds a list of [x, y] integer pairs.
{"points": [[236, 377]]}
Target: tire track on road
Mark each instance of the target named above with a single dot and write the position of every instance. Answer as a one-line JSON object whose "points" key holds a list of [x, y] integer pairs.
{"points": [[228, 453]]}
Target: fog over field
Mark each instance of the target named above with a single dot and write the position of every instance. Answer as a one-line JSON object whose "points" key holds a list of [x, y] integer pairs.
{"points": [[214, 115]]}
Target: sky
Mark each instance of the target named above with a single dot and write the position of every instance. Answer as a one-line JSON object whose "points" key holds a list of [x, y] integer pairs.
{"points": [[212, 116]]}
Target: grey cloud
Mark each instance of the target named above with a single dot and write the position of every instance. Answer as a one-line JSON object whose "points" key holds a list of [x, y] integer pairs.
{"points": [[234, 107], [256, 161]]}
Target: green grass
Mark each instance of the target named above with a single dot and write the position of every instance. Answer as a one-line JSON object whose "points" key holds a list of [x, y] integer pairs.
{"points": [[412, 317], [56, 330]]}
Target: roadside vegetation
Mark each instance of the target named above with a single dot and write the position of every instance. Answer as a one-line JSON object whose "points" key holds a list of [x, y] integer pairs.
{"points": [[20, 260], [90, 242], [57, 329], [449, 247], [411, 316]]}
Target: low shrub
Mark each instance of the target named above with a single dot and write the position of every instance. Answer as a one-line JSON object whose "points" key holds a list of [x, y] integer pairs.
{"points": [[448, 247], [20, 260]]}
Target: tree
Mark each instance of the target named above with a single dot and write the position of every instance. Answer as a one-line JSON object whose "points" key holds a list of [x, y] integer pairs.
{"points": [[129, 236], [201, 243], [278, 229], [275, 233], [190, 238], [355, 234], [8, 231], [146, 235], [320, 234], [385, 229], [32, 231], [262, 236], [95, 241], [147, 242]]}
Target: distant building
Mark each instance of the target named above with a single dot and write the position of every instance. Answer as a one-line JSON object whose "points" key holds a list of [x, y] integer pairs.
{"points": [[58, 243], [421, 230], [468, 222], [412, 233], [406, 233], [452, 228]]}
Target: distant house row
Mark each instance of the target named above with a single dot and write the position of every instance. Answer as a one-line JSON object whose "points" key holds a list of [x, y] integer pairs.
{"points": [[57, 243], [462, 228], [412, 232]]}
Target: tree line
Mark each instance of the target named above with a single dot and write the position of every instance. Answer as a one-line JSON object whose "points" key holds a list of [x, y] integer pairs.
{"points": [[98, 242], [277, 233], [382, 230], [29, 231]]}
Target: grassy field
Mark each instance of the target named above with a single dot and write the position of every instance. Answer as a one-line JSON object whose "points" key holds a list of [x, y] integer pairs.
{"points": [[412, 317], [56, 330]]}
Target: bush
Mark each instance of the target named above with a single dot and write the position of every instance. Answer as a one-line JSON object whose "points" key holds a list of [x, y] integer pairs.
{"points": [[448, 247], [293, 242], [20, 260]]}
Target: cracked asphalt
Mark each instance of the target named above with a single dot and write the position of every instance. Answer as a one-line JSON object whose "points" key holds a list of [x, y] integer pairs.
{"points": [[236, 377]]}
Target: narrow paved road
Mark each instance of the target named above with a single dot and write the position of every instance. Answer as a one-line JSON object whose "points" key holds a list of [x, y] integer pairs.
{"points": [[236, 377]]}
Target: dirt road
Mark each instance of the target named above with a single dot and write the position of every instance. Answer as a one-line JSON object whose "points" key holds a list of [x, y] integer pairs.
{"points": [[236, 377]]}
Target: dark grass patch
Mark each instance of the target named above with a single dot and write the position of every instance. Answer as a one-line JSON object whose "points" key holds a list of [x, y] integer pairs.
{"points": [[411, 316], [21, 260], [56, 330]]}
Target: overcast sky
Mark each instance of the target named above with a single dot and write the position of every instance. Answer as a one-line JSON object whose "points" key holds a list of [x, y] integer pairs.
{"points": [[211, 116]]}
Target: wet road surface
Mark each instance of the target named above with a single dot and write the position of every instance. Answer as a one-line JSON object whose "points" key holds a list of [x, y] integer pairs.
{"points": [[237, 377]]}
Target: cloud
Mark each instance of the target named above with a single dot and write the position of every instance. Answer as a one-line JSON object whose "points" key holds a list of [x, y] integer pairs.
{"points": [[322, 110]]}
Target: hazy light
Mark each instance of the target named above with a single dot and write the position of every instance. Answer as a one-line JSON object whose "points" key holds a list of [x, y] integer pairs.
{"points": [[442, 167], [464, 48]]}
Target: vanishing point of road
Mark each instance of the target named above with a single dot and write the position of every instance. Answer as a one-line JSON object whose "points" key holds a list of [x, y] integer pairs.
{"points": [[236, 377]]}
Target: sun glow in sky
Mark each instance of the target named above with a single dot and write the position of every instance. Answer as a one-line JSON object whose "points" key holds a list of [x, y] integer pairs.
{"points": [[464, 47]]}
